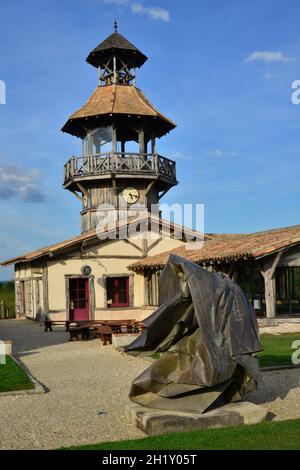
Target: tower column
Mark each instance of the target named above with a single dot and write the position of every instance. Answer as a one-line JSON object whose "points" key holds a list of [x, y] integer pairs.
{"points": [[153, 145], [142, 141]]}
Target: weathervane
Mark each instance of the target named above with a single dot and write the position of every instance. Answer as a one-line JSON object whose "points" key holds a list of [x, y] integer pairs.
{"points": [[116, 25]]}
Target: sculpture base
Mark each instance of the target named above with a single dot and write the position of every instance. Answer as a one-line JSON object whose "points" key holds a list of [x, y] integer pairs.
{"points": [[154, 422]]}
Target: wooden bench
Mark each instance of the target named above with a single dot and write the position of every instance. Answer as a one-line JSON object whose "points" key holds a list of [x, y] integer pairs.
{"points": [[76, 331]]}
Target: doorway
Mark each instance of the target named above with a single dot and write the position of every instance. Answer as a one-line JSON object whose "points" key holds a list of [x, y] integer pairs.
{"points": [[79, 299]]}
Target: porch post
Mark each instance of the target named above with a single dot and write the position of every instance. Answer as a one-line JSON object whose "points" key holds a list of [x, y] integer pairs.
{"points": [[142, 141], [268, 272]]}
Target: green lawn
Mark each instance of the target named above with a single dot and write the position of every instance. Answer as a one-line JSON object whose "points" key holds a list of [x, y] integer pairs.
{"points": [[277, 349], [280, 435], [12, 377]]}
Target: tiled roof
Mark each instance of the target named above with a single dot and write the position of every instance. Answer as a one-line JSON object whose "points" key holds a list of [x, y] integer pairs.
{"points": [[71, 243], [229, 247], [118, 100]]}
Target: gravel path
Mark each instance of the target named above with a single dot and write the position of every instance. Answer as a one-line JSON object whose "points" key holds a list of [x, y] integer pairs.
{"points": [[89, 387], [279, 392], [84, 379]]}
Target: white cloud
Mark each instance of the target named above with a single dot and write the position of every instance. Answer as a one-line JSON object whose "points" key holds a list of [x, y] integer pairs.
{"points": [[220, 153], [15, 182], [155, 13], [137, 8], [268, 56], [181, 156]]}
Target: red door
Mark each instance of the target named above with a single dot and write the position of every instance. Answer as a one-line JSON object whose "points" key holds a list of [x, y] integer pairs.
{"points": [[79, 299]]}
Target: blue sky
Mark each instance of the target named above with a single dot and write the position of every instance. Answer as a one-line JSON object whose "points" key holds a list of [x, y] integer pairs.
{"points": [[221, 69]]}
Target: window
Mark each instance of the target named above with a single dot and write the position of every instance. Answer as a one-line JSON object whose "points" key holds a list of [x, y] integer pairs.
{"points": [[98, 141], [117, 291]]}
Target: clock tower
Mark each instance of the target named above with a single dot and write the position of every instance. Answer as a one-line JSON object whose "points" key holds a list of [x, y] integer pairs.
{"points": [[120, 166]]}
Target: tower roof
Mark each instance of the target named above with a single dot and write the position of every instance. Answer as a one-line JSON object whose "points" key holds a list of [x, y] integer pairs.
{"points": [[119, 45], [116, 102]]}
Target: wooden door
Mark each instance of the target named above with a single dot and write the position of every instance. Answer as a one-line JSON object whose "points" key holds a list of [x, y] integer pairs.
{"points": [[79, 299]]}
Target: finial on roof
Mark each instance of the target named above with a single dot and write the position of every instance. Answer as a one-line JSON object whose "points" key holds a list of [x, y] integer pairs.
{"points": [[116, 25]]}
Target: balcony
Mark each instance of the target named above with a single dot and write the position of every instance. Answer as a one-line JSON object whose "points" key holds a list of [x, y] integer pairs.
{"points": [[138, 165]]}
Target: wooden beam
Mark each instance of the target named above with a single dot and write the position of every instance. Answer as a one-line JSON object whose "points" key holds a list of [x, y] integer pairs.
{"points": [[149, 187], [231, 270], [154, 244], [153, 145], [115, 69], [45, 290], [76, 195], [142, 141], [83, 190], [126, 240], [162, 194], [268, 272], [145, 246]]}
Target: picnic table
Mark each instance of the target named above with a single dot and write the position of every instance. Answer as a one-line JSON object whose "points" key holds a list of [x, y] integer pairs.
{"points": [[102, 328]]}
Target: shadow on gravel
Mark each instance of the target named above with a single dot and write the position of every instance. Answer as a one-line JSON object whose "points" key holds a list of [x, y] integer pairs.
{"points": [[274, 385]]}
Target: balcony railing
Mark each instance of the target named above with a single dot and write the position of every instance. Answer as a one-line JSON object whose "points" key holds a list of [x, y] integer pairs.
{"points": [[118, 163]]}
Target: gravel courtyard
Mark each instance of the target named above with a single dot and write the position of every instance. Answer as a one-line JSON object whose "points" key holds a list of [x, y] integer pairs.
{"points": [[88, 389], [84, 380]]}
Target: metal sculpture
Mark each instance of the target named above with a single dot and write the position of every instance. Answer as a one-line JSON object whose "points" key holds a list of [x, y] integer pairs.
{"points": [[207, 335]]}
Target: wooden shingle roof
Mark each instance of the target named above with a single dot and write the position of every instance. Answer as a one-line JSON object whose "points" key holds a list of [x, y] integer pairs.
{"points": [[117, 100], [229, 247], [116, 43]]}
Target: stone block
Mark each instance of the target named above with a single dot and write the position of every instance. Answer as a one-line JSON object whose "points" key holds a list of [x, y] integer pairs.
{"points": [[6, 347], [155, 422], [121, 340]]}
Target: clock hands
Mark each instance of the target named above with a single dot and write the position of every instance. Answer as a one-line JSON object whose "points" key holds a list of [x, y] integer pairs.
{"points": [[131, 195]]}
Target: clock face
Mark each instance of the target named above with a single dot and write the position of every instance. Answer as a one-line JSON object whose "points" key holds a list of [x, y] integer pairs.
{"points": [[130, 195]]}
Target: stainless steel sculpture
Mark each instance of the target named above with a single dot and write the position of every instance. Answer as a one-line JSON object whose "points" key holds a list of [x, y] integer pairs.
{"points": [[207, 333]]}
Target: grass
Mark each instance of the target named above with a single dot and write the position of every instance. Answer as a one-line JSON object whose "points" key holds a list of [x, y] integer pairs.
{"points": [[7, 293], [277, 349], [280, 435], [13, 377]]}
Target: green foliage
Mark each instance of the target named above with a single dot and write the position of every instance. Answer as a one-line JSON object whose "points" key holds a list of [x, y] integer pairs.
{"points": [[7, 293], [13, 377]]}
